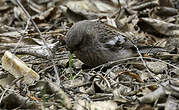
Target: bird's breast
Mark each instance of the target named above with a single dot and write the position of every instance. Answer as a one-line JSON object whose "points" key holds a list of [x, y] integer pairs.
{"points": [[97, 56]]}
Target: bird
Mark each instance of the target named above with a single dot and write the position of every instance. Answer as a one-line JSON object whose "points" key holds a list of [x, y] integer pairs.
{"points": [[96, 43]]}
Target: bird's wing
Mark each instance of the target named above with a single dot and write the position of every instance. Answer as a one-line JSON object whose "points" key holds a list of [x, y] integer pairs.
{"points": [[108, 36]]}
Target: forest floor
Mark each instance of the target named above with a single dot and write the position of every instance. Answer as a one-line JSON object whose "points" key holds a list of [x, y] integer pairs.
{"points": [[38, 72]]}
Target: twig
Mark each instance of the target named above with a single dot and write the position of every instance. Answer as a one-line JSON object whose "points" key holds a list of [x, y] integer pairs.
{"points": [[130, 58], [42, 37], [141, 57], [21, 36], [145, 64]]}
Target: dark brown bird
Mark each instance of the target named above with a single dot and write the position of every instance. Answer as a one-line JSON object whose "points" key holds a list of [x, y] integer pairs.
{"points": [[95, 43]]}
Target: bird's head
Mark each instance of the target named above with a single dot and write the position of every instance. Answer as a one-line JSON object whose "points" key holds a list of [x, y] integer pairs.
{"points": [[77, 36]]}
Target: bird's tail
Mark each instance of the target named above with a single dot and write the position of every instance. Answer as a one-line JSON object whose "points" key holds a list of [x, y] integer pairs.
{"points": [[151, 49]]}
